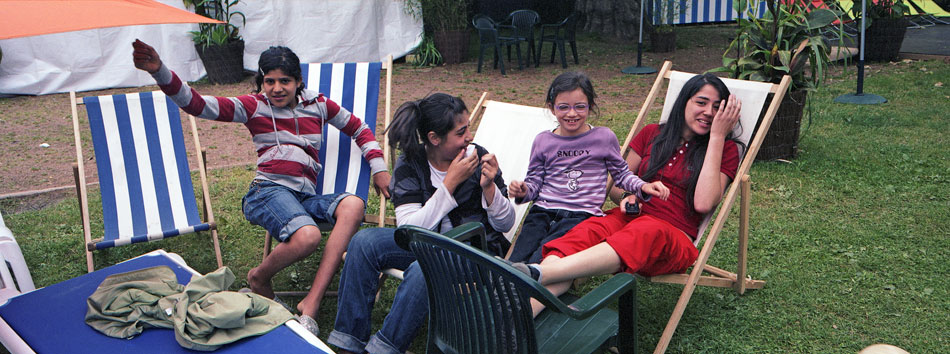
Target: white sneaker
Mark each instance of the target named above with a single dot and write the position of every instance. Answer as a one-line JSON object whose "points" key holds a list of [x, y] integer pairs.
{"points": [[309, 323]]}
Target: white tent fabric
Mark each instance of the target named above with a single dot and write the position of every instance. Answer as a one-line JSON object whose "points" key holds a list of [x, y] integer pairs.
{"points": [[317, 30]]}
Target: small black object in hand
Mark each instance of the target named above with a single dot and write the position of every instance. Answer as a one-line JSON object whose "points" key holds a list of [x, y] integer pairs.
{"points": [[632, 209]]}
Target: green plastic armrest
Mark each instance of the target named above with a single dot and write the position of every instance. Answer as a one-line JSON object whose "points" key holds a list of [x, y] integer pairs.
{"points": [[467, 231], [603, 294]]}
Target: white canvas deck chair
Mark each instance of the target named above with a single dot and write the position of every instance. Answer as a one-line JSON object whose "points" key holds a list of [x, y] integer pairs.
{"points": [[507, 130], [144, 178], [354, 86], [753, 96]]}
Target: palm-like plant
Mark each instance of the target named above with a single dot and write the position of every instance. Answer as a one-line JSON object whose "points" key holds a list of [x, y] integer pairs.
{"points": [[783, 41], [209, 34]]}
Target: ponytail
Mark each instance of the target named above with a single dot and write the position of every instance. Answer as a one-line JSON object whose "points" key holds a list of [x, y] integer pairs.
{"points": [[414, 120]]}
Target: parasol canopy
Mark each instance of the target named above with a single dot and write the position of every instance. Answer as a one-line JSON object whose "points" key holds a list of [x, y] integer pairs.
{"points": [[23, 18]]}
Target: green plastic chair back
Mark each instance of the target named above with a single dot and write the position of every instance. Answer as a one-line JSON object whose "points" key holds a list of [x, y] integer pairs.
{"points": [[480, 305]]}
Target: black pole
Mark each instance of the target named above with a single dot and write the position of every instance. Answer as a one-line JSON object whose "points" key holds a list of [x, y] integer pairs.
{"points": [[639, 69], [860, 97]]}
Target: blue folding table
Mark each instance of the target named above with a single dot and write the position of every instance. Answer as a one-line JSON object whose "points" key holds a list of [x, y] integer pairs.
{"points": [[51, 320]]}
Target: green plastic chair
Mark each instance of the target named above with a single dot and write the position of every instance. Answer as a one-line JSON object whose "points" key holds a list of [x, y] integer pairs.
{"points": [[477, 304]]}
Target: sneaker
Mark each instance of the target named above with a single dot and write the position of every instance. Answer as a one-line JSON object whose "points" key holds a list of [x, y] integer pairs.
{"points": [[531, 270], [309, 323]]}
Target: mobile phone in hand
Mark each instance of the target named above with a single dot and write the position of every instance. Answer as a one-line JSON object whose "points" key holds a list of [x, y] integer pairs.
{"points": [[632, 209]]}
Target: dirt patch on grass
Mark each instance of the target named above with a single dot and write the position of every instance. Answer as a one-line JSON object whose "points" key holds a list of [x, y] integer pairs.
{"points": [[29, 121]]}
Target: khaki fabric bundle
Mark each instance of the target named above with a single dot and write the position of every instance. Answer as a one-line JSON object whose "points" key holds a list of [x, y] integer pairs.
{"points": [[203, 314]]}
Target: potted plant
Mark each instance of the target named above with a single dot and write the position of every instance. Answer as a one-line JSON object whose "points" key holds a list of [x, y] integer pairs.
{"points": [[219, 46], [446, 21], [886, 28], [663, 32], [783, 41], [663, 39]]}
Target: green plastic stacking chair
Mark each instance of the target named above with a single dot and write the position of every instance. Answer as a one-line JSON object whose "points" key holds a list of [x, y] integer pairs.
{"points": [[477, 304]]}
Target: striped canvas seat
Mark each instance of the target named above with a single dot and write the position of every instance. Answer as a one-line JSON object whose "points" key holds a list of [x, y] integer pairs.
{"points": [[144, 178], [354, 86]]}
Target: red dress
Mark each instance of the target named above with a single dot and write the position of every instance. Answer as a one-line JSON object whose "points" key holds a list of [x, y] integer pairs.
{"points": [[660, 239]]}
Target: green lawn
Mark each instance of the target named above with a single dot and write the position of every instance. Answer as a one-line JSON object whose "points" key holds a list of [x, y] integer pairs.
{"points": [[851, 236]]}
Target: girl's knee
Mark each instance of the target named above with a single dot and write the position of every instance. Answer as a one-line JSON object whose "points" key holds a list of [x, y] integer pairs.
{"points": [[350, 206], [308, 236]]}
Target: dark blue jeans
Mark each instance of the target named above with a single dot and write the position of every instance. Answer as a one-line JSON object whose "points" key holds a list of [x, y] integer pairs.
{"points": [[540, 226], [369, 252]]}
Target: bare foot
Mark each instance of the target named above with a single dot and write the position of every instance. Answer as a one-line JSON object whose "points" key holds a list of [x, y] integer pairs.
{"points": [[259, 286], [306, 307]]}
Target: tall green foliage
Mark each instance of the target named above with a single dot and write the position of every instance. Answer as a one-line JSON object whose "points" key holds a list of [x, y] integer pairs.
{"points": [[783, 41], [209, 34], [440, 15]]}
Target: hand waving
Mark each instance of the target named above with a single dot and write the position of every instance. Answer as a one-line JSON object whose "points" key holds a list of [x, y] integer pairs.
{"points": [[145, 57]]}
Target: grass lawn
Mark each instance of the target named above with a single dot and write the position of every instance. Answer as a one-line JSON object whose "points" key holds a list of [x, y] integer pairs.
{"points": [[851, 236]]}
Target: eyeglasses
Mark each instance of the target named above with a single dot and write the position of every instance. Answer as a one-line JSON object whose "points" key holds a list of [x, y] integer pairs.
{"points": [[564, 108]]}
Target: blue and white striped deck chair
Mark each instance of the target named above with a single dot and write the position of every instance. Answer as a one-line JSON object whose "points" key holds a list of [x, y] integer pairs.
{"points": [[144, 178], [354, 86]]}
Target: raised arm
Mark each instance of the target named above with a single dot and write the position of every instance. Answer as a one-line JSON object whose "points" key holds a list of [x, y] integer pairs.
{"points": [[226, 109], [712, 182]]}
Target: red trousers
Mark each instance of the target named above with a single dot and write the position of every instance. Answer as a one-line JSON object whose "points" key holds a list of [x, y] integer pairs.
{"points": [[646, 245]]}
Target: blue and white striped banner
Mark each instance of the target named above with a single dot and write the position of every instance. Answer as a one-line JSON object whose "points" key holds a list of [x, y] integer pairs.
{"points": [[697, 11], [354, 86], [143, 170]]}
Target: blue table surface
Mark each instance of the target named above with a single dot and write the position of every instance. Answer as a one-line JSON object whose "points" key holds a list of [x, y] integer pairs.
{"points": [[51, 320]]}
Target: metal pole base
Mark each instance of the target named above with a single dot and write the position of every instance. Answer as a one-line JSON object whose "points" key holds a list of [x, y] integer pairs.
{"points": [[639, 70], [860, 98]]}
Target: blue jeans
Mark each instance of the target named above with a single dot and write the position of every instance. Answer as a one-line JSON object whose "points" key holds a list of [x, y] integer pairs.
{"points": [[541, 226], [369, 252], [281, 210]]}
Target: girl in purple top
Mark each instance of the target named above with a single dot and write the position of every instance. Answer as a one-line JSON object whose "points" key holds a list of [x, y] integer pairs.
{"points": [[567, 174]]}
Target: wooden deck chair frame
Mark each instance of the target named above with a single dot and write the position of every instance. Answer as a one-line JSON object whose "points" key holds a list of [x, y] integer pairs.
{"points": [[80, 179], [719, 277], [332, 87], [530, 122]]}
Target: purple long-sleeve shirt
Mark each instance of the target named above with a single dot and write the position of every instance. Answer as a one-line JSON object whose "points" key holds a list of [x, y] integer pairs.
{"points": [[570, 172]]}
